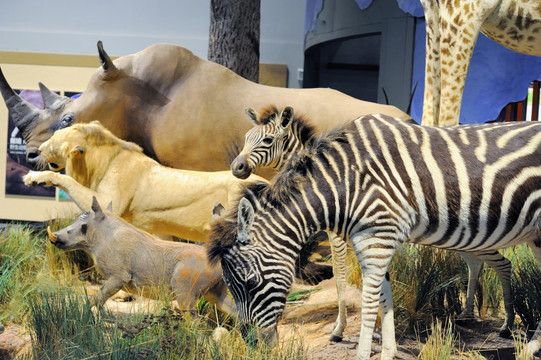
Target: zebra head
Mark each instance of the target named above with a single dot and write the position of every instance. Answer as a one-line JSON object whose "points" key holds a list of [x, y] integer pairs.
{"points": [[264, 144], [258, 278]]}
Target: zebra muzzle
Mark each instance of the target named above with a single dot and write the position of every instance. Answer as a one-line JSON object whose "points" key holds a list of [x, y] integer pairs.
{"points": [[52, 236]]}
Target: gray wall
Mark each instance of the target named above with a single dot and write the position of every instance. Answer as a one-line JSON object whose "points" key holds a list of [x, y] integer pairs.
{"points": [[373, 48], [125, 27]]}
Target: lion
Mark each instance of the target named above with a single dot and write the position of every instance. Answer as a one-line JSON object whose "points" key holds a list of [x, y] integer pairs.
{"points": [[153, 197]]}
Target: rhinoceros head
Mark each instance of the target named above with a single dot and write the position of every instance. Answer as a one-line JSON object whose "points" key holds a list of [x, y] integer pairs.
{"points": [[38, 125]]}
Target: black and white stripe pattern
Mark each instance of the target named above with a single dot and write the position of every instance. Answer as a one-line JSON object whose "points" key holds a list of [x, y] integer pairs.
{"points": [[273, 139], [380, 182], [276, 137]]}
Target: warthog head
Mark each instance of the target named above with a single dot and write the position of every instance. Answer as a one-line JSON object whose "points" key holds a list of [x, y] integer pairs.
{"points": [[80, 233]]}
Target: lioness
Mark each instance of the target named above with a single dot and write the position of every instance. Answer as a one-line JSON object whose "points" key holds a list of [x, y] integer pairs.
{"points": [[136, 261], [153, 197]]}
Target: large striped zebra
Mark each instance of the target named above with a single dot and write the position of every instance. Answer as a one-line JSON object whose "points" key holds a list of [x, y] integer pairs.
{"points": [[277, 136], [379, 182]]}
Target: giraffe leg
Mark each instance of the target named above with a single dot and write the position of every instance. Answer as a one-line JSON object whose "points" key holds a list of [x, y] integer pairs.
{"points": [[339, 252], [534, 346], [431, 102], [374, 261], [458, 35], [502, 266]]}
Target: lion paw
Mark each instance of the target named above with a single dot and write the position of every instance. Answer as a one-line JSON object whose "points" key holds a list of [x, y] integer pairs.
{"points": [[34, 178]]}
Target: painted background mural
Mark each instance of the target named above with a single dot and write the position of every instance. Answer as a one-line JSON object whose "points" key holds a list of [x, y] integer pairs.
{"points": [[16, 165]]}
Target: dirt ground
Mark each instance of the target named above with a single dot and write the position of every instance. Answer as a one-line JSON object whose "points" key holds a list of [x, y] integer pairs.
{"points": [[313, 319]]}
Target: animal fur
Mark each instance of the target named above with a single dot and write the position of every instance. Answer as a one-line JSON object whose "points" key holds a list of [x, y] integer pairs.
{"points": [[153, 197], [133, 260]]}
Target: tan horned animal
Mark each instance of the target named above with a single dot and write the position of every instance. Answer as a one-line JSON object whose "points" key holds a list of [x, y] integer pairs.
{"points": [[134, 260], [158, 199], [183, 110], [452, 28]]}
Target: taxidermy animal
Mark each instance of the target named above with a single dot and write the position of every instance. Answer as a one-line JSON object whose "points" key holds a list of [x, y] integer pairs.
{"points": [[452, 29], [379, 182], [279, 135], [182, 110], [134, 260], [153, 197]]}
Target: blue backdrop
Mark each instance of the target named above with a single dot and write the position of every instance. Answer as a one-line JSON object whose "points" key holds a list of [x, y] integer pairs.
{"points": [[496, 75]]}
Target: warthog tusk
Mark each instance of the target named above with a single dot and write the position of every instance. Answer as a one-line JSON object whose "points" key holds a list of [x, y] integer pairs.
{"points": [[52, 236]]}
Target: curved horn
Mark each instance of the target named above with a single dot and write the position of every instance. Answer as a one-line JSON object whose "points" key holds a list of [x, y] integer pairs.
{"points": [[22, 112], [105, 60], [49, 97], [52, 236]]}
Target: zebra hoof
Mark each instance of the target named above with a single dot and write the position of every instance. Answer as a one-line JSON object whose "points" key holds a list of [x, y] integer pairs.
{"points": [[505, 333], [335, 338]]}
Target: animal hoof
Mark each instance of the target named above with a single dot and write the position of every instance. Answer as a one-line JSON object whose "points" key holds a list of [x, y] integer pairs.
{"points": [[505, 333], [336, 339]]}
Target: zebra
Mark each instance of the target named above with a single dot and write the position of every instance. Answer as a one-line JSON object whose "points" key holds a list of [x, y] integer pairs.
{"points": [[277, 136], [280, 135], [379, 182]]}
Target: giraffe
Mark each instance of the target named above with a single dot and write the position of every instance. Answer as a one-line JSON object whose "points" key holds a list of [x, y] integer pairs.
{"points": [[452, 28]]}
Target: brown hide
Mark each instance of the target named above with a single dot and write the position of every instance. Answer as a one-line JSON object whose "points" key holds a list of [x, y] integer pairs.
{"points": [[183, 110]]}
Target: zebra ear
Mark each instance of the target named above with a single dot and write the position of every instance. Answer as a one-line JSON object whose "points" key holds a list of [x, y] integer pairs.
{"points": [[286, 117], [252, 115], [245, 221]]}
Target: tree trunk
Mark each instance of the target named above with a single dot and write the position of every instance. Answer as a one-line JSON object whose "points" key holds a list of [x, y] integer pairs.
{"points": [[234, 36]]}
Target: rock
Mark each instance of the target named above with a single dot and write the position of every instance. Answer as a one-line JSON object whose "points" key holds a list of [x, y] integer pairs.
{"points": [[219, 333], [14, 342]]}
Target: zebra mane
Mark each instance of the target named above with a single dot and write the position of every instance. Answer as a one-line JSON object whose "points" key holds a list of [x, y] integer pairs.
{"points": [[300, 124], [287, 183], [293, 173]]}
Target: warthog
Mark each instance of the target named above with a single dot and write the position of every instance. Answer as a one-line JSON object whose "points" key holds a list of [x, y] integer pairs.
{"points": [[134, 260]]}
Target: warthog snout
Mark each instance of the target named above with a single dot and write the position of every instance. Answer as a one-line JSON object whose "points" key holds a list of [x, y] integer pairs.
{"points": [[240, 167]]}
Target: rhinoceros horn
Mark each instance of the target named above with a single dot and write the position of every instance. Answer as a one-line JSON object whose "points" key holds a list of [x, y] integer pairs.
{"points": [[22, 112], [49, 97], [105, 60]]}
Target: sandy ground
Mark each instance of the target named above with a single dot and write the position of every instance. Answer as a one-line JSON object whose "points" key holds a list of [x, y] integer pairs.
{"points": [[314, 319]]}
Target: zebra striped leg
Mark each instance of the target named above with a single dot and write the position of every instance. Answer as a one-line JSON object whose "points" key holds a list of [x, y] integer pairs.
{"points": [[339, 252], [387, 319], [474, 267], [534, 345], [374, 258], [502, 266]]}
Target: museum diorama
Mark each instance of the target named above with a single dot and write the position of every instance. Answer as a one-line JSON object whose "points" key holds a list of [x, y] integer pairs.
{"points": [[271, 180]]}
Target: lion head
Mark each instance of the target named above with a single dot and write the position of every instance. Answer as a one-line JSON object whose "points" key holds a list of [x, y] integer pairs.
{"points": [[83, 150]]}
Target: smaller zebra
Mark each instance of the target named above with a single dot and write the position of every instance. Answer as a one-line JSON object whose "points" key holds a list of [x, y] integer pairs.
{"points": [[277, 136], [274, 139]]}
